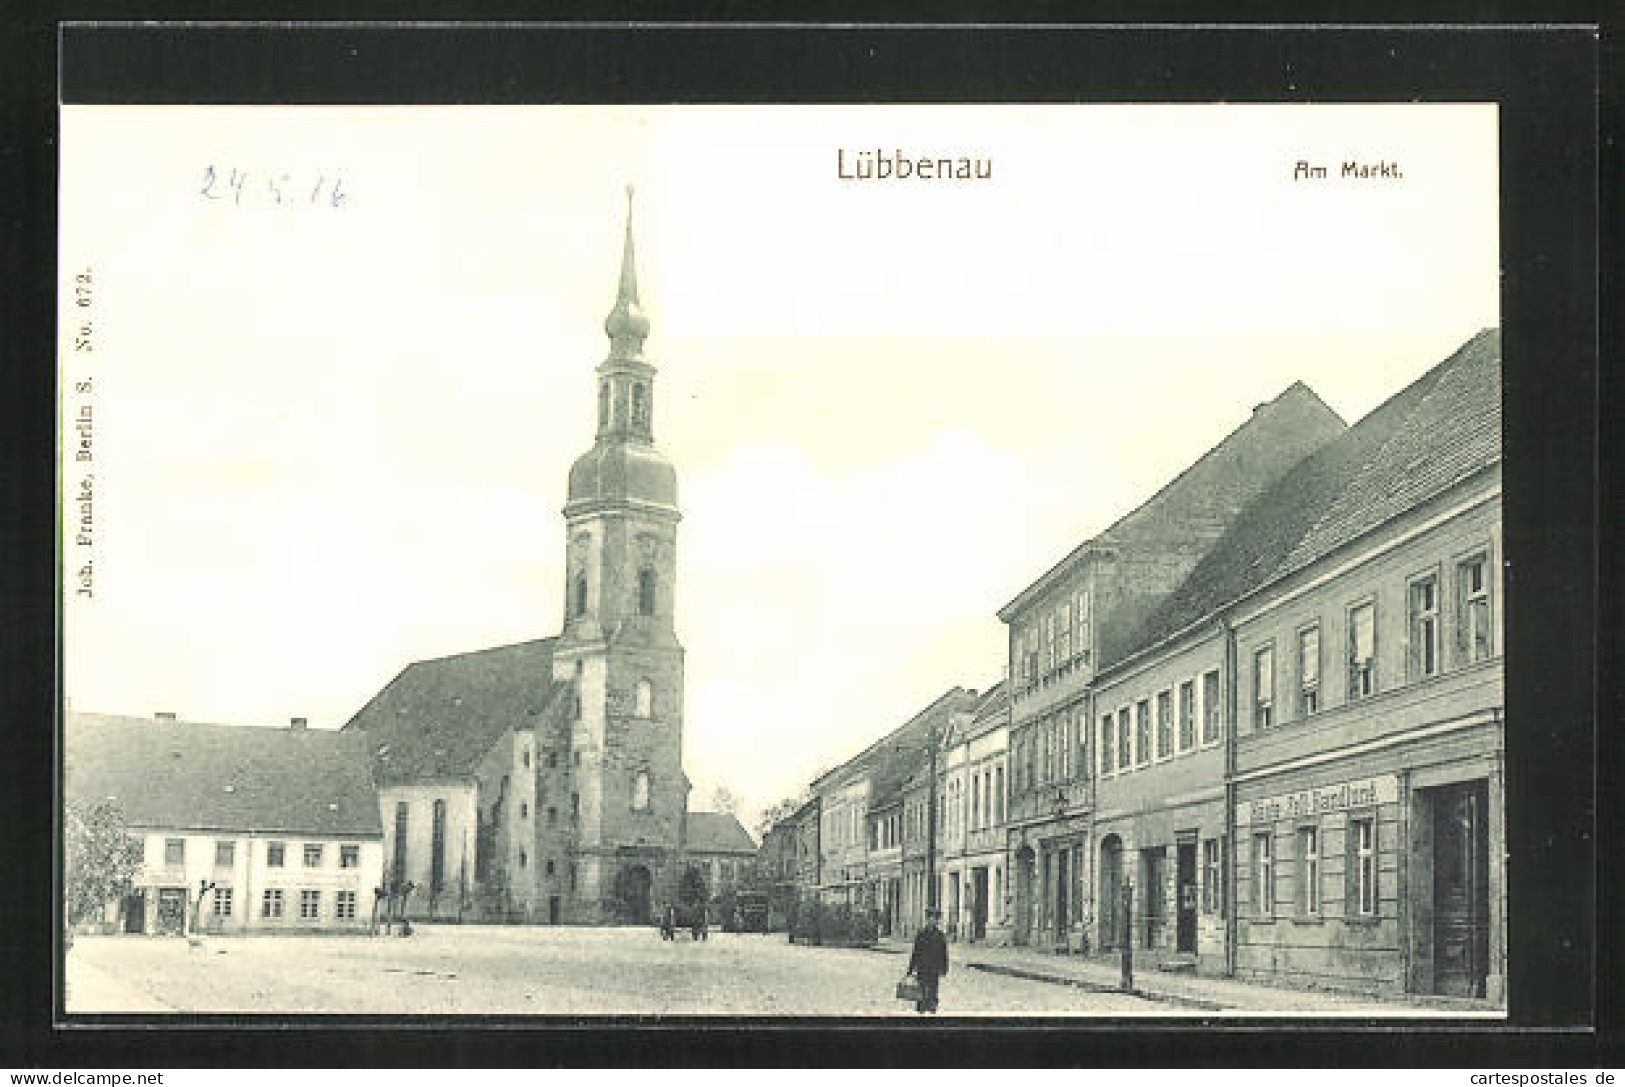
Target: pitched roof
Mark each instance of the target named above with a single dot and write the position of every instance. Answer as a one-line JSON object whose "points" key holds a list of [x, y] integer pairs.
{"points": [[189, 776], [1201, 502], [1443, 427], [438, 718], [717, 832]]}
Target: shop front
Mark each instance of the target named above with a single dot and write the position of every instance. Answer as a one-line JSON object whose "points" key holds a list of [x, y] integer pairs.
{"points": [[1379, 872]]}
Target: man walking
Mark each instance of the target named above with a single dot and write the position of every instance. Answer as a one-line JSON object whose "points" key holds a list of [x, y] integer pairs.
{"points": [[929, 961]]}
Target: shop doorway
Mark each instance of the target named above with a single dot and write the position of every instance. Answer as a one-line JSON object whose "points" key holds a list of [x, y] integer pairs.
{"points": [[1024, 895], [1185, 878], [172, 910], [978, 917], [135, 913], [1461, 899], [1062, 906], [554, 909], [1154, 910], [1111, 892]]}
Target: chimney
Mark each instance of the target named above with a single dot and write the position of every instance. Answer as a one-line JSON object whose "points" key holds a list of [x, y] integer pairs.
{"points": [[297, 724], [164, 718]]}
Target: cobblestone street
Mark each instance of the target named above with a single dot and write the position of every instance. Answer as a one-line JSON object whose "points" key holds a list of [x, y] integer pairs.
{"points": [[542, 971]]}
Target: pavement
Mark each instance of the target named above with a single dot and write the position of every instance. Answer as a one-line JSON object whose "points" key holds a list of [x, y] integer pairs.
{"points": [[1182, 992], [585, 972], [546, 971]]}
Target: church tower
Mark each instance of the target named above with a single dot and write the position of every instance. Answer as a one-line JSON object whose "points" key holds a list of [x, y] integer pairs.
{"points": [[619, 643]]}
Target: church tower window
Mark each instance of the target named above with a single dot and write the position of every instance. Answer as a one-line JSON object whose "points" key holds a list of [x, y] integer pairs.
{"points": [[646, 591], [643, 698], [603, 403], [640, 405], [581, 594]]}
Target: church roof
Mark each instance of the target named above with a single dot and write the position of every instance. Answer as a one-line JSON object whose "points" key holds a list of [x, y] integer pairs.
{"points": [[1443, 427], [438, 718], [717, 832], [184, 775]]}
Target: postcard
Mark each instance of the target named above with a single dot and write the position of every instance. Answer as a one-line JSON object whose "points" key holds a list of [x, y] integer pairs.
{"points": [[782, 560]]}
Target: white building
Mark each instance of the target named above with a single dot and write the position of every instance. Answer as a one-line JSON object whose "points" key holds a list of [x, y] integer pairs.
{"points": [[242, 828]]}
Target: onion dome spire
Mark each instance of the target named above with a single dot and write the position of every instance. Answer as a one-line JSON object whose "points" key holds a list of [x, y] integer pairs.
{"points": [[626, 325]]}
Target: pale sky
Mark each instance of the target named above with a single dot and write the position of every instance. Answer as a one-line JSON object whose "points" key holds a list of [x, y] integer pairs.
{"points": [[330, 441]]}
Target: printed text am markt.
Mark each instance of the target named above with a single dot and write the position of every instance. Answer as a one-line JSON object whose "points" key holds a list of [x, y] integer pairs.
{"points": [[1384, 170]]}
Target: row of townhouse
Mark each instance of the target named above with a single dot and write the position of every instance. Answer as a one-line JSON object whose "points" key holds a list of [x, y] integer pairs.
{"points": [[1255, 727]]}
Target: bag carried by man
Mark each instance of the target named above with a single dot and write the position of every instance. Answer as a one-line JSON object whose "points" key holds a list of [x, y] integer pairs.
{"points": [[908, 988]]}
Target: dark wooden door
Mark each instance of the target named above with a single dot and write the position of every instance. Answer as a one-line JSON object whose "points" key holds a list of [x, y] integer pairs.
{"points": [[1185, 877], [1460, 890], [1111, 894], [135, 913]]}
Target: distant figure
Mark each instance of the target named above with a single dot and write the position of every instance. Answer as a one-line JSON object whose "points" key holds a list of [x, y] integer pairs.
{"points": [[700, 924], [929, 961], [668, 923]]}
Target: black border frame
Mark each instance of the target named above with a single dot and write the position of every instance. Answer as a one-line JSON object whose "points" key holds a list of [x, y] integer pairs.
{"points": [[1545, 79]]}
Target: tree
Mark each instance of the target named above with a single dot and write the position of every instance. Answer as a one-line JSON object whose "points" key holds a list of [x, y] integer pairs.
{"points": [[100, 858], [778, 812], [723, 800]]}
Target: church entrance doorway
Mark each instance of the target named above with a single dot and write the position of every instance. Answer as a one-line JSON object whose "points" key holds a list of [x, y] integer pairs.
{"points": [[632, 894]]}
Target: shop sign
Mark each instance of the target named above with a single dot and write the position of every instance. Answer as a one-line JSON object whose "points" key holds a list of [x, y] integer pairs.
{"points": [[1306, 803]]}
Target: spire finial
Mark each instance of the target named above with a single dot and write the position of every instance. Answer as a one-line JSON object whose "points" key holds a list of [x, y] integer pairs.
{"points": [[626, 324]]}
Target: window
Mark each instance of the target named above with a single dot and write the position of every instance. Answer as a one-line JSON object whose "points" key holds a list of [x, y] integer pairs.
{"points": [[271, 903], [1125, 740], [401, 812], [552, 759], [1363, 870], [640, 791], [1210, 707], [273, 854], [575, 806], [1106, 746], [998, 793], [313, 855], [1264, 687], [640, 407], [1212, 878], [1424, 627], [310, 905], [552, 816], [1082, 640], [1142, 732], [1165, 724], [976, 800], [1063, 632], [643, 698], [1473, 609], [344, 906], [603, 403], [1308, 670], [646, 591], [437, 846], [222, 901], [524, 858], [1362, 651], [225, 854], [349, 856], [581, 594], [548, 868], [1309, 871], [174, 850], [1187, 715], [1263, 876], [524, 757], [524, 810]]}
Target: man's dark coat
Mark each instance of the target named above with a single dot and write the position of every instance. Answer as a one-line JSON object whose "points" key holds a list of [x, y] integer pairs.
{"points": [[930, 957]]}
